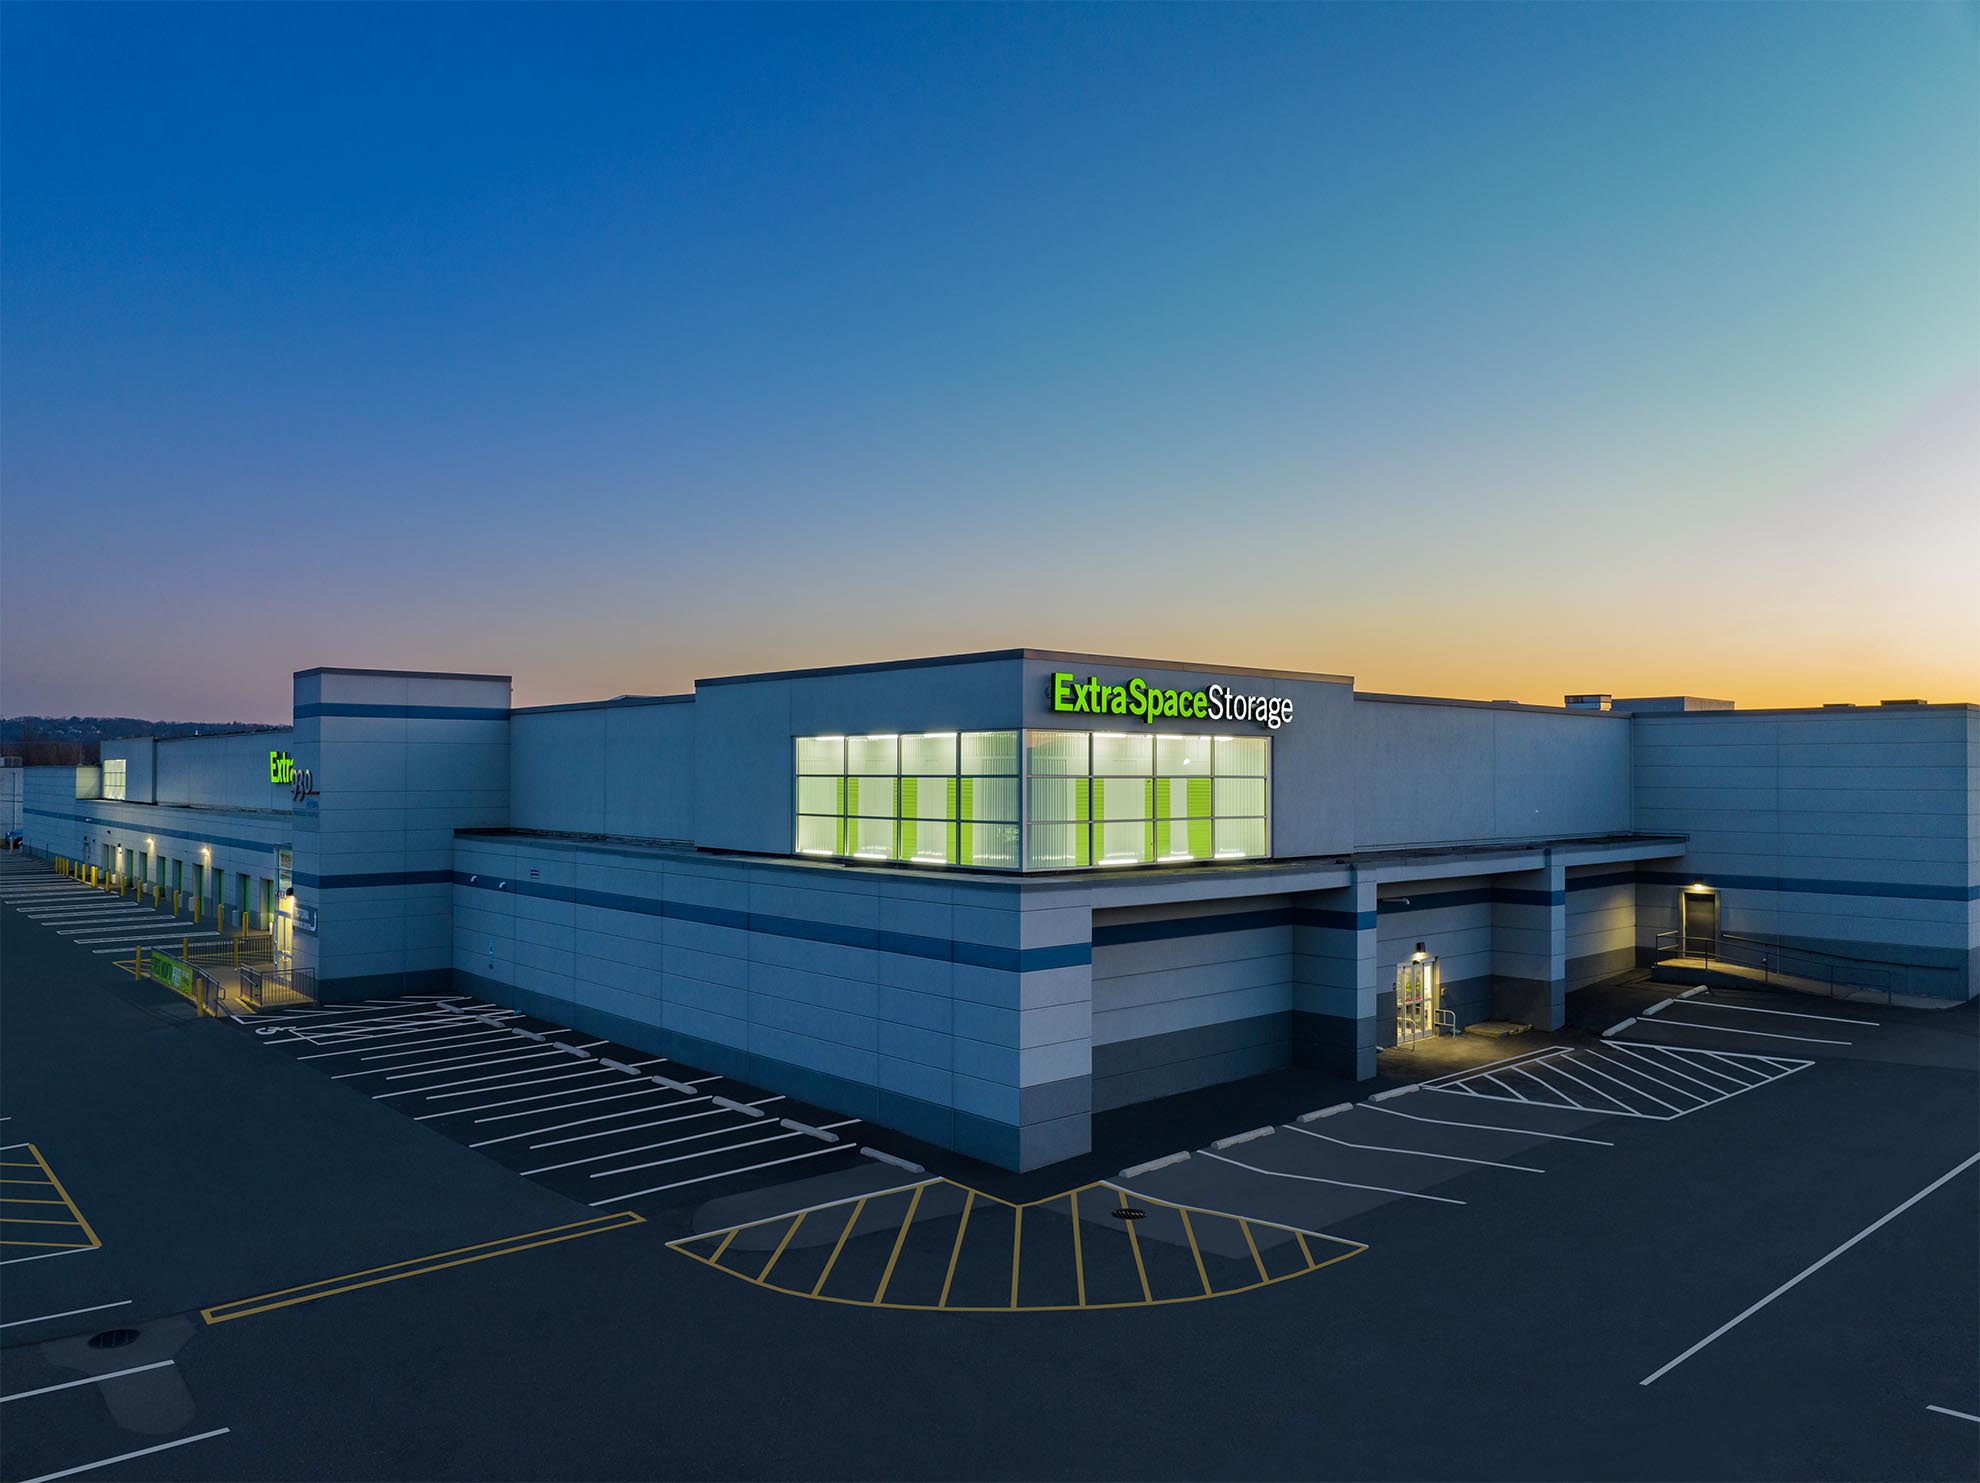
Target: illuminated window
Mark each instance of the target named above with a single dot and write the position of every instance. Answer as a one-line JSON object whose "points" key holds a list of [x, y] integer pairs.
{"points": [[113, 778], [1138, 798], [928, 798]]}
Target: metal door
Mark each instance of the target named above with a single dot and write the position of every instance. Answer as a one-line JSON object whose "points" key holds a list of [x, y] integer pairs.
{"points": [[1701, 924]]}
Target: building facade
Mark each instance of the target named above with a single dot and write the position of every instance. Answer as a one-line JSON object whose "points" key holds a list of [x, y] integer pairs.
{"points": [[980, 898]]}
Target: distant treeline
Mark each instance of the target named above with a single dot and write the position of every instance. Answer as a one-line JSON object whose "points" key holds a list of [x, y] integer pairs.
{"points": [[66, 741]]}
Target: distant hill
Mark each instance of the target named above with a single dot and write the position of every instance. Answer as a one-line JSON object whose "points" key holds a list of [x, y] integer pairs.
{"points": [[64, 740]]}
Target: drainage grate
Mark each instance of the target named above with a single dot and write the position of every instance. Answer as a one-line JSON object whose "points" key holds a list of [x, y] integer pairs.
{"points": [[1128, 1212], [113, 1338]]}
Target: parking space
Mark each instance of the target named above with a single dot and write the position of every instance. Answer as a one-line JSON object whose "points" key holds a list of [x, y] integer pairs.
{"points": [[598, 1122], [96, 921], [1624, 1078], [938, 1246]]}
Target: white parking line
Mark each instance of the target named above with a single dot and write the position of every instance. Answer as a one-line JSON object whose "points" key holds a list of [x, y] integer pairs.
{"points": [[1876, 1225], [66, 1313], [616, 1153], [1793, 1014], [814, 1153], [104, 1462], [1762, 1034], [1316, 1179], [580, 1122], [682, 1158], [1716, 1092], [1949, 1411], [466, 1060], [106, 952], [542, 1081], [156, 927], [21, 1395], [646, 1090], [1483, 1127], [1646, 1096], [635, 1127], [368, 1053], [440, 1086], [1415, 1153], [518, 1101]]}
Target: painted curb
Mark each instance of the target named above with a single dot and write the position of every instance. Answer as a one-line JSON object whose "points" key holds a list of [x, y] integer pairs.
{"points": [[1153, 1164], [1237, 1138], [887, 1158], [1616, 1029], [1307, 1117], [1396, 1092], [796, 1127]]}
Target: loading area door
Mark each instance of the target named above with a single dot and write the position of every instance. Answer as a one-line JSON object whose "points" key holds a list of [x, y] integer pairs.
{"points": [[1700, 922]]}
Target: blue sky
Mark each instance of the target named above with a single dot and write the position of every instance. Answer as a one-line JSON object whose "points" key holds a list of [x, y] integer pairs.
{"points": [[1486, 350]]}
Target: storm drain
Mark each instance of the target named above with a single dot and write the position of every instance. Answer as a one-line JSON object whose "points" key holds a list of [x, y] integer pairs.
{"points": [[113, 1338]]}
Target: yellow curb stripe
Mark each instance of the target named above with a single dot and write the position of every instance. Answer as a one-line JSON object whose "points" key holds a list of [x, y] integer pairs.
{"points": [[461, 1256]]}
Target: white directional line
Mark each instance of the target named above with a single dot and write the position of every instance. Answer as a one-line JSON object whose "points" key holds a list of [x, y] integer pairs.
{"points": [[1415, 1153], [1809, 1271]]}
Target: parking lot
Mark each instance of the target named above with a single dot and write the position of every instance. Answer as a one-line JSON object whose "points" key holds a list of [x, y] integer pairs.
{"points": [[387, 1240]]}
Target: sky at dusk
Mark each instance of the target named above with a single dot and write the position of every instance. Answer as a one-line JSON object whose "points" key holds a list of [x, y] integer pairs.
{"points": [[1491, 351]]}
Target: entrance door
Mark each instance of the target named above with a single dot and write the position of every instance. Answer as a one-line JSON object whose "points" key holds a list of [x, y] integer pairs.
{"points": [[1701, 924], [1416, 999]]}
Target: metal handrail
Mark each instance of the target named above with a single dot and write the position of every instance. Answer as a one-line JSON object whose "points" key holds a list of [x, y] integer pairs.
{"points": [[1868, 975]]}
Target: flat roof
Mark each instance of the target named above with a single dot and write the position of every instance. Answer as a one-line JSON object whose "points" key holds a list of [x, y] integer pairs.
{"points": [[399, 674], [600, 705], [988, 656]]}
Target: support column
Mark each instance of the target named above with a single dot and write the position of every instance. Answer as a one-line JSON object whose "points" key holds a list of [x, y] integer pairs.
{"points": [[1333, 980], [1529, 947]]}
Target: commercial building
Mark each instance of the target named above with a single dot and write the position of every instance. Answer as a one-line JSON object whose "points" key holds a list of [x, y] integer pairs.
{"points": [[979, 898]]}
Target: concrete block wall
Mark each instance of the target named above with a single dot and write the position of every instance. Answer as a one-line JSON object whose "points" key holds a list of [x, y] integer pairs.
{"points": [[400, 760], [622, 767], [1453, 920], [1849, 832], [1601, 922], [955, 1011], [1186, 996], [1335, 993]]}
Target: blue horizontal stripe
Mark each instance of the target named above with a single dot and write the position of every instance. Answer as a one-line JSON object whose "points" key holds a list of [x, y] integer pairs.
{"points": [[157, 829], [1593, 882], [338, 709], [1170, 929], [941, 949], [374, 878], [1891, 889]]}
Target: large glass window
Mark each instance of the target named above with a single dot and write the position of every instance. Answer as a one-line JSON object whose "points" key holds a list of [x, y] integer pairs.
{"points": [[113, 777], [1088, 798], [929, 798], [1112, 798]]}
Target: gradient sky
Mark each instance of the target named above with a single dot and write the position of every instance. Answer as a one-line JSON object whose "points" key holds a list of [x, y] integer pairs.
{"points": [[1471, 350]]}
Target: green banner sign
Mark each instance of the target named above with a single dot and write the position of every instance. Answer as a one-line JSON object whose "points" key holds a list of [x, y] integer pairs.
{"points": [[175, 973], [1150, 703]]}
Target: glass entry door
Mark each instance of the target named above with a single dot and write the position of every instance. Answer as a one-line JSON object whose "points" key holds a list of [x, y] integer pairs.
{"points": [[1416, 998]]}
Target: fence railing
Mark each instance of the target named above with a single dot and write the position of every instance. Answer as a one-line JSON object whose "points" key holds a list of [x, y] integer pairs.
{"points": [[1831, 974]]}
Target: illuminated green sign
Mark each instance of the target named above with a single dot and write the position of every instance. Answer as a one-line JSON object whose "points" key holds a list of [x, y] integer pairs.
{"points": [[1150, 703], [174, 973], [281, 767]]}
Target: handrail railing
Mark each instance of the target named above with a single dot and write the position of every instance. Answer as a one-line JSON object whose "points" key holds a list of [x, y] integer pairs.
{"points": [[1830, 973]]}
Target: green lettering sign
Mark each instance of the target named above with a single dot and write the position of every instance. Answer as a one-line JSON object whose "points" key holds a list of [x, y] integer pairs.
{"points": [[1151, 703]]}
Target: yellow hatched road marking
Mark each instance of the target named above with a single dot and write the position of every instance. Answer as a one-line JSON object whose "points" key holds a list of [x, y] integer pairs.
{"points": [[29, 1220], [1134, 1244], [687, 1246], [761, 1276], [1079, 1257], [65, 1245], [26, 1181], [914, 1203], [418, 1266], [24, 1200], [1197, 1252], [1245, 1226], [969, 1201], [832, 1261], [724, 1246], [71, 1204]]}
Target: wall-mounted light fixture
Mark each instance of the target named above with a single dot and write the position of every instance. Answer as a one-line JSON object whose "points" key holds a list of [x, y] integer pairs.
{"points": [[472, 879], [1419, 955]]}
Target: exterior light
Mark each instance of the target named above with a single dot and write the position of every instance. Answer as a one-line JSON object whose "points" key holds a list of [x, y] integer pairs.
{"points": [[1419, 955], [1696, 886], [472, 879]]}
